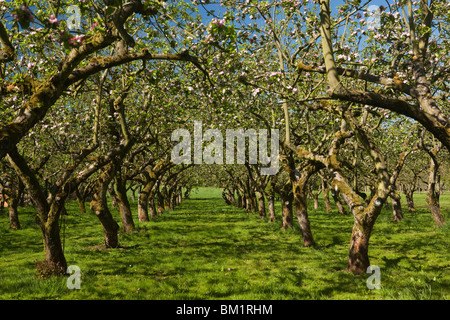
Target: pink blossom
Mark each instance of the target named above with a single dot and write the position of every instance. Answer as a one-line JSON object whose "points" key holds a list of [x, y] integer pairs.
{"points": [[93, 26], [53, 19]]}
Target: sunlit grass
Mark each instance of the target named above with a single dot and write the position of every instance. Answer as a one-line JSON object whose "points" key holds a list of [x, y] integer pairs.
{"points": [[205, 249]]}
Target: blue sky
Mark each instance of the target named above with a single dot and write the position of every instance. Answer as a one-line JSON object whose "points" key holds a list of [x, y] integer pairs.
{"points": [[334, 4], [219, 10]]}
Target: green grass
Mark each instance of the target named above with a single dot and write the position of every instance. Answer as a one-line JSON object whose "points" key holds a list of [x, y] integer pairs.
{"points": [[205, 249]]}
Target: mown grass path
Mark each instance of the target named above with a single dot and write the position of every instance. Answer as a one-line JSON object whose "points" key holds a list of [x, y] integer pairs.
{"points": [[205, 249]]}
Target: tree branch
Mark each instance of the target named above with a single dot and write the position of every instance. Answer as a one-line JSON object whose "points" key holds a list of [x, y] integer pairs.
{"points": [[7, 50]]}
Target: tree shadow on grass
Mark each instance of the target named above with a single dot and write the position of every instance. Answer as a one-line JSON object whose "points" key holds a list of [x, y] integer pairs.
{"points": [[392, 263]]}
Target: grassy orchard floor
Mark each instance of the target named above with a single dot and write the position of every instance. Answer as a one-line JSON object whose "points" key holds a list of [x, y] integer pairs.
{"points": [[207, 250]]}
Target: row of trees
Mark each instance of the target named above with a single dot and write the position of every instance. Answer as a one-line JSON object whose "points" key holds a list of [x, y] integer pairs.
{"points": [[91, 111]]}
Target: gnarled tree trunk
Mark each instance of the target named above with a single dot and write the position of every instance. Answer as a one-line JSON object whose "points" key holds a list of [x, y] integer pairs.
{"points": [[301, 211], [299, 183], [99, 206], [358, 258], [124, 205], [54, 253], [47, 215]]}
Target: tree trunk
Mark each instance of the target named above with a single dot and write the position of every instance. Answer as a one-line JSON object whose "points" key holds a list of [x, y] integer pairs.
{"points": [[112, 192], [316, 201], [124, 205], [433, 191], [248, 204], [261, 205], [143, 201], [271, 208], [14, 195], [187, 192], [338, 202], [301, 211], [299, 181], [326, 196], [358, 259], [179, 196], [143, 207], [50, 229], [80, 201], [243, 201], [2, 200], [364, 220], [433, 203], [225, 198], [286, 209], [160, 200], [409, 195], [54, 253], [151, 205], [231, 197], [254, 202], [396, 206], [13, 214], [238, 199], [165, 197], [99, 206], [47, 216], [133, 194], [110, 226], [173, 198]]}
